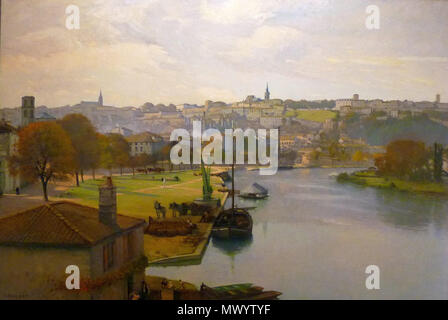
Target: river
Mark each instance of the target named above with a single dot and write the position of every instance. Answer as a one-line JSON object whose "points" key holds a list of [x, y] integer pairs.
{"points": [[313, 239]]}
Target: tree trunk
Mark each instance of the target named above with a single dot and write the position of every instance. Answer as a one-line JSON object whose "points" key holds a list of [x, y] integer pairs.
{"points": [[77, 179], [133, 171], [44, 189], [121, 171], [82, 176], [93, 174]]}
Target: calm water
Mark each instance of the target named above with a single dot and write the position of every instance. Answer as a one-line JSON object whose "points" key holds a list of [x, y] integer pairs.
{"points": [[313, 238]]}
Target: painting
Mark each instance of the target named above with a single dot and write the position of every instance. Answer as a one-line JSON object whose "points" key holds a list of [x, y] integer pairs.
{"points": [[223, 150]]}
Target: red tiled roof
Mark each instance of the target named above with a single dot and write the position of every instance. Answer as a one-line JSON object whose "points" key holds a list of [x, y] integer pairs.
{"points": [[60, 224]]}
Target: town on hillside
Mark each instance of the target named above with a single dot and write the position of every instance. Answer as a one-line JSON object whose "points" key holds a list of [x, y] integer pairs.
{"points": [[223, 150]]}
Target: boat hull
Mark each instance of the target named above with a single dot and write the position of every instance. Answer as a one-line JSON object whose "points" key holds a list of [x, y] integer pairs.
{"points": [[253, 197], [230, 232]]}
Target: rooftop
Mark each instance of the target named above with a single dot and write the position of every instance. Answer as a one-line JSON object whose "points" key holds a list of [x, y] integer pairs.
{"points": [[144, 137], [60, 224], [6, 127]]}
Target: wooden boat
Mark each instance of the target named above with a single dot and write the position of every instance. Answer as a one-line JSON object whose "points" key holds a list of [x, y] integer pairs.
{"points": [[255, 192], [253, 196], [234, 222]]}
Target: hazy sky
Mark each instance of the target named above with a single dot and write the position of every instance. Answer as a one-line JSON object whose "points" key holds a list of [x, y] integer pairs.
{"points": [[174, 51]]}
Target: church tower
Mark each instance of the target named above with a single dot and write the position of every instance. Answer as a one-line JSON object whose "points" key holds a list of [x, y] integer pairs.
{"points": [[100, 99], [27, 111], [267, 94]]}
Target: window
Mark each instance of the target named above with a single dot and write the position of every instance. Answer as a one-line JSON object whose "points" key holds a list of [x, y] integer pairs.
{"points": [[108, 256]]}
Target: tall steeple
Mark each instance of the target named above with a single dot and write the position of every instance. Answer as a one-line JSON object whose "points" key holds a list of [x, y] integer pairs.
{"points": [[100, 99], [27, 110], [267, 94]]}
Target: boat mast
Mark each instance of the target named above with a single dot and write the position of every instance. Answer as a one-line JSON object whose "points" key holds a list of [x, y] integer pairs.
{"points": [[233, 172]]}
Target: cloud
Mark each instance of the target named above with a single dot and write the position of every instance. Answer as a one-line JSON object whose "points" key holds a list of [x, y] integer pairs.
{"points": [[270, 39], [236, 11], [189, 51], [425, 59]]}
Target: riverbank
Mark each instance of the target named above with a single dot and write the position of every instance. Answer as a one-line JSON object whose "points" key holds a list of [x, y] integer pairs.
{"points": [[181, 290], [136, 196], [370, 178], [180, 249]]}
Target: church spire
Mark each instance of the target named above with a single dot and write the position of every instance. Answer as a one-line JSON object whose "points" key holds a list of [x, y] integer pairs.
{"points": [[267, 94], [100, 99]]}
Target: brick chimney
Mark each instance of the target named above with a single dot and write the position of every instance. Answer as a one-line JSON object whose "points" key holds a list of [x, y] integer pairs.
{"points": [[108, 203]]}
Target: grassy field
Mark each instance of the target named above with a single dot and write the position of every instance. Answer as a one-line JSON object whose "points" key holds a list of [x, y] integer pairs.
{"points": [[136, 194], [312, 115], [370, 179]]}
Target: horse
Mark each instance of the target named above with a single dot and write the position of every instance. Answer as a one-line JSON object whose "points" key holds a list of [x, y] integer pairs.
{"points": [[182, 209], [160, 210], [174, 207], [197, 209]]}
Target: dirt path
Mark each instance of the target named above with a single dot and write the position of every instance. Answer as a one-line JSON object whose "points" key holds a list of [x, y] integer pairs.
{"points": [[32, 196]]}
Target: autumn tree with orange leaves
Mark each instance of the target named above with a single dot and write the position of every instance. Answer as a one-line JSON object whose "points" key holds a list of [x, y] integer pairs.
{"points": [[44, 153], [405, 159], [84, 141]]}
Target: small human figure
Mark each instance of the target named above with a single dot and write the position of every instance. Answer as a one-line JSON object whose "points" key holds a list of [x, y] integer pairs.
{"points": [[144, 295], [17, 191]]}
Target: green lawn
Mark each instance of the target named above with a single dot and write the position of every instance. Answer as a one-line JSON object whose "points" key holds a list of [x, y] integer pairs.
{"points": [[372, 180], [136, 194], [312, 115]]}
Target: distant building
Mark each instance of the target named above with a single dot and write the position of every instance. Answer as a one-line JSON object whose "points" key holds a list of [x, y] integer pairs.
{"points": [[267, 94], [99, 103], [27, 111], [37, 245], [330, 125], [271, 122], [183, 106], [287, 142], [146, 142], [8, 139], [123, 131], [45, 116], [100, 98]]}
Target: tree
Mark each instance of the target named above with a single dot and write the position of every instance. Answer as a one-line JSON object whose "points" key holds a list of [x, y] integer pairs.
{"points": [[380, 162], [134, 162], [120, 151], [96, 156], [114, 151], [405, 158], [359, 156], [106, 160], [85, 142], [44, 152], [438, 162], [164, 154]]}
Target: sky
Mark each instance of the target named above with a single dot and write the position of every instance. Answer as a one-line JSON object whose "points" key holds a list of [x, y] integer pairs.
{"points": [[189, 51]]}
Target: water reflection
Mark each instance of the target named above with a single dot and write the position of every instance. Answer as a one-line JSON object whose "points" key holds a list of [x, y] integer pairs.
{"points": [[313, 238], [232, 247], [411, 211]]}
